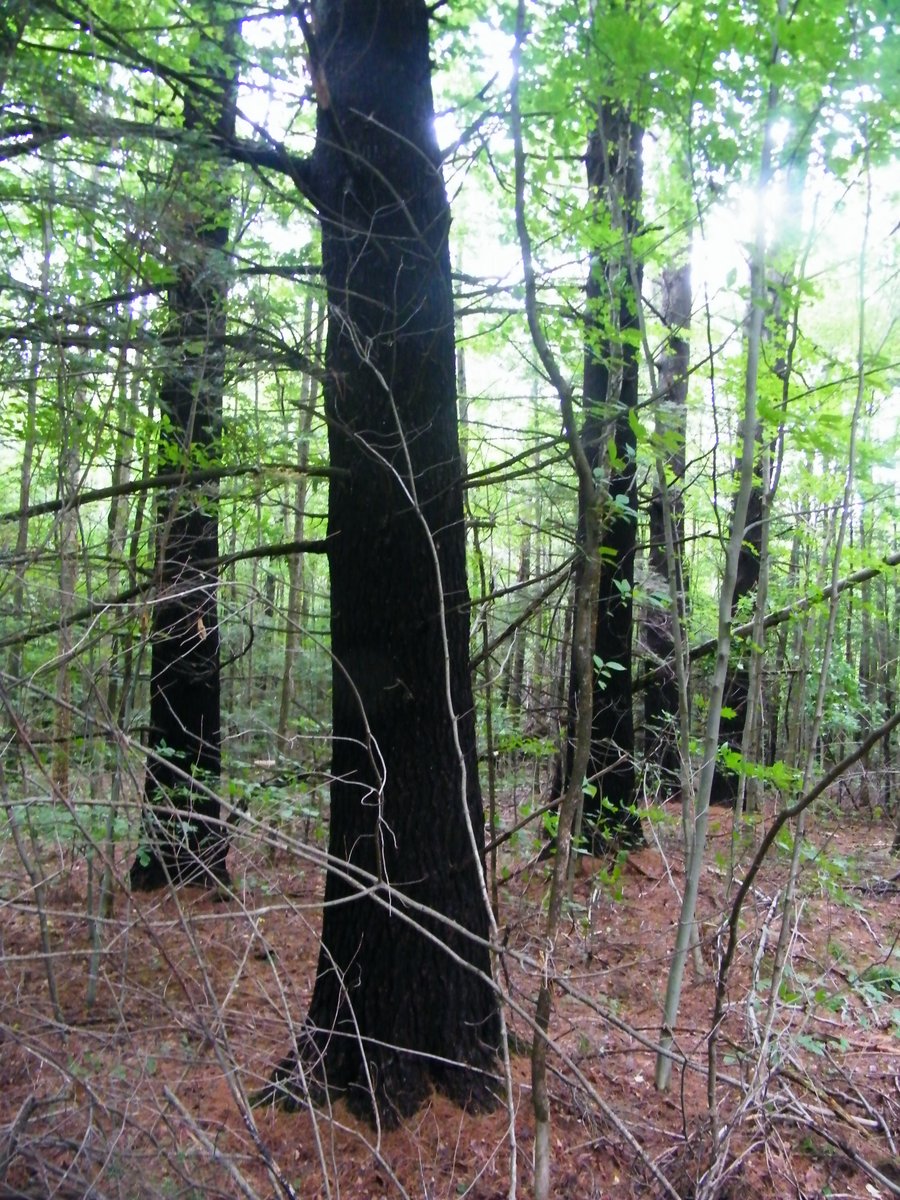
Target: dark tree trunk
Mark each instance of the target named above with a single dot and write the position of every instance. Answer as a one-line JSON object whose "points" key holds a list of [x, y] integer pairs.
{"points": [[661, 696], [734, 702], [183, 837], [610, 399], [780, 335], [402, 1001]]}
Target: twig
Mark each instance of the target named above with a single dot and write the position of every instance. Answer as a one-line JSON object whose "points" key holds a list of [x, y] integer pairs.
{"points": [[217, 1155]]}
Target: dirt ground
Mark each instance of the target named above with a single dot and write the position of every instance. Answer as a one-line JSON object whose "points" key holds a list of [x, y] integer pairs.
{"points": [[131, 1079]]}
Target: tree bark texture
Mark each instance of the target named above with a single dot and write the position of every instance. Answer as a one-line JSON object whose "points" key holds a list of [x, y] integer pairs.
{"points": [[183, 837], [397, 1007], [734, 704], [610, 398], [661, 695]]}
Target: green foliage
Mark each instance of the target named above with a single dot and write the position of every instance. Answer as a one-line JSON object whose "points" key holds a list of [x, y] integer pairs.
{"points": [[604, 671], [76, 827], [781, 776]]}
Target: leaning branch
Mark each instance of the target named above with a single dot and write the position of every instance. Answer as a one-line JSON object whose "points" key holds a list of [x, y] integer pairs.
{"points": [[98, 607], [703, 649], [562, 575], [171, 479], [24, 137]]}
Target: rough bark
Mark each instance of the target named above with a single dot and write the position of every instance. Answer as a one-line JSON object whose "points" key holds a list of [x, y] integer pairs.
{"points": [[661, 696], [734, 703], [610, 398], [402, 1000], [183, 837]]}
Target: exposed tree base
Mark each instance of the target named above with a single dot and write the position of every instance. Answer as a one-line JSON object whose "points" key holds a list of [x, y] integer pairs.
{"points": [[150, 874], [609, 837], [724, 791], [387, 1087]]}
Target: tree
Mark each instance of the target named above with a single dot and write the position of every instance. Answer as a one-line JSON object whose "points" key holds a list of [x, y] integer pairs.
{"points": [[734, 703], [661, 694], [184, 838], [403, 998], [608, 435]]}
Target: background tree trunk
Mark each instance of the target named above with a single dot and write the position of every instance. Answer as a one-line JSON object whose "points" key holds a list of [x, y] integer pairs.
{"points": [[610, 399], [734, 702], [183, 838], [293, 613], [661, 697]]}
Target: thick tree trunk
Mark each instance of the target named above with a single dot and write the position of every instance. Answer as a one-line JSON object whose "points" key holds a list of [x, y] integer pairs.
{"points": [[183, 837], [402, 1000], [610, 399], [661, 696], [734, 702]]}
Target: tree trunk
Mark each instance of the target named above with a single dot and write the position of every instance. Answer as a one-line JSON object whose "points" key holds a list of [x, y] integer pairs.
{"points": [[731, 575], [737, 683], [512, 683], [66, 549], [402, 1000], [610, 399], [308, 393], [183, 838], [886, 676], [13, 20], [29, 439], [661, 696]]}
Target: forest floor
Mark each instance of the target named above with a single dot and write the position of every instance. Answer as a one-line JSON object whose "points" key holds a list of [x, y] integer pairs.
{"points": [[139, 1091]]}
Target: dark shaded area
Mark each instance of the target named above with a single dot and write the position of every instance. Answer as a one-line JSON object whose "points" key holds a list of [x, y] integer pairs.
{"points": [[614, 171], [396, 1009], [661, 694], [183, 838], [734, 702]]}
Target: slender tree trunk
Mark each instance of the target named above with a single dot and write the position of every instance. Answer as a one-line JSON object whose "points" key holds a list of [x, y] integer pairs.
{"points": [[845, 523], [183, 838], [117, 519], [514, 674], [685, 932], [778, 695], [887, 677], [66, 549], [584, 615], [737, 684], [868, 659], [28, 445]]}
